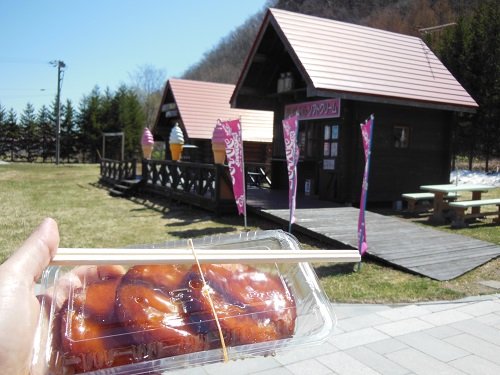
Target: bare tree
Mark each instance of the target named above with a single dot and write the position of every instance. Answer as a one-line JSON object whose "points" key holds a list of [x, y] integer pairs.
{"points": [[147, 82]]}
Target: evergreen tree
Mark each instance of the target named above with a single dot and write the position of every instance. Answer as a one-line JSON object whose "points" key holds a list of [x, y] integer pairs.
{"points": [[30, 141], [90, 126], [3, 132], [131, 118], [47, 132], [471, 51], [13, 138], [69, 139], [485, 80]]}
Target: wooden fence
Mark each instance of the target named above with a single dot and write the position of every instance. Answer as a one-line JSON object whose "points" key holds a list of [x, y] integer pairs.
{"points": [[204, 185], [116, 170]]}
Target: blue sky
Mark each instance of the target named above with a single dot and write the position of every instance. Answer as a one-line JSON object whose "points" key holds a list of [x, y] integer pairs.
{"points": [[102, 42]]}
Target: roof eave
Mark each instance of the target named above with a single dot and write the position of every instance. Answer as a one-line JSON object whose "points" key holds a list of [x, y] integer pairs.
{"points": [[249, 58], [159, 112], [313, 92], [269, 20]]}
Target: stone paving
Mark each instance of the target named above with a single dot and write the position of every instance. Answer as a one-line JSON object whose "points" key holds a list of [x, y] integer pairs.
{"points": [[458, 337]]}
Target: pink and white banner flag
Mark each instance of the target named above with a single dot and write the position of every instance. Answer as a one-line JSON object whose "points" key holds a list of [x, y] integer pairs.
{"points": [[290, 129], [235, 162], [367, 133]]}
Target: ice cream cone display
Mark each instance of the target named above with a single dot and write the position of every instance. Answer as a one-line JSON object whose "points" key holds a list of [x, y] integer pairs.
{"points": [[147, 150], [176, 151], [176, 142], [219, 151], [218, 144], [147, 142]]}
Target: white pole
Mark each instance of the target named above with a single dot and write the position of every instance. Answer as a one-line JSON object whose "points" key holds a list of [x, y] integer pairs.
{"points": [[244, 178]]}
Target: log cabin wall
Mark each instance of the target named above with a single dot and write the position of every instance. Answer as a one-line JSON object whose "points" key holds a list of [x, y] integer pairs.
{"points": [[398, 165], [254, 152], [424, 156], [395, 76]]}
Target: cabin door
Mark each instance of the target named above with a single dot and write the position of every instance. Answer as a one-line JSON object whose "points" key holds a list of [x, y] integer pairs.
{"points": [[310, 157], [329, 166]]}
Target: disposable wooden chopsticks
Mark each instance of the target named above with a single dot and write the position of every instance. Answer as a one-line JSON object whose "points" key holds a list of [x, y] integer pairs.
{"points": [[80, 256]]}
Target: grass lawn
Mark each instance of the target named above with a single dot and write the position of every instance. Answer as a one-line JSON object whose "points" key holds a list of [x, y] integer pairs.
{"points": [[89, 217]]}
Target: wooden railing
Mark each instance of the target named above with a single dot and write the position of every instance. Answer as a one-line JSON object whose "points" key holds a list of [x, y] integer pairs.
{"points": [[116, 170], [203, 185], [258, 174]]}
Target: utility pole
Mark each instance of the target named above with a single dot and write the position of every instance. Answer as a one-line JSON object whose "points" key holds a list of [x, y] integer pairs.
{"points": [[426, 30], [60, 65]]}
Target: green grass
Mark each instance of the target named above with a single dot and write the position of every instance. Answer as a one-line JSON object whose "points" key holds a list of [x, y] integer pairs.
{"points": [[89, 217]]}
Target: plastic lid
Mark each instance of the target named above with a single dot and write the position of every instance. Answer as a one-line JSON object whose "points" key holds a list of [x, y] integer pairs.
{"points": [[157, 318]]}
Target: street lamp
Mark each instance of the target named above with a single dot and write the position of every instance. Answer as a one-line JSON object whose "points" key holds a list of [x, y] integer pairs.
{"points": [[60, 65]]}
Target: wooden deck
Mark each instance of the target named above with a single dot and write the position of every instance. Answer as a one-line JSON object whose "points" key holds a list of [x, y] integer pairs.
{"points": [[416, 248]]}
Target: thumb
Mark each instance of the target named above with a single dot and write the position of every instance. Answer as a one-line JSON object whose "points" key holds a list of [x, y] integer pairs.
{"points": [[35, 254]]}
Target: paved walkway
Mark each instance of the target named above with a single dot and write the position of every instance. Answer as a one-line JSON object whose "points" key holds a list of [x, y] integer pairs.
{"points": [[460, 337], [420, 249]]}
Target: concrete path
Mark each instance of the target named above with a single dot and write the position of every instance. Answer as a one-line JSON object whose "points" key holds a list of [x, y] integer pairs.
{"points": [[459, 337]]}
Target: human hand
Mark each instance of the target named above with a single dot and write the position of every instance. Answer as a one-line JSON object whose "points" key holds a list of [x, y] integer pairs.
{"points": [[19, 307]]}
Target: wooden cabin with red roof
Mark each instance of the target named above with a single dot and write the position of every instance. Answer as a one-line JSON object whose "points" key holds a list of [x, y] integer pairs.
{"points": [[196, 106], [335, 75]]}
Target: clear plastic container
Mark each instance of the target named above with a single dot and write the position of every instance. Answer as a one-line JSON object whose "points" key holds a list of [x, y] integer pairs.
{"points": [[87, 322]]}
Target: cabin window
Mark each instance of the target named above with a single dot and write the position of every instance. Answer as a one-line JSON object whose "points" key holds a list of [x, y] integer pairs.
{"points": [[308, 140], [330, 146], [401, 136], [330, 141]]}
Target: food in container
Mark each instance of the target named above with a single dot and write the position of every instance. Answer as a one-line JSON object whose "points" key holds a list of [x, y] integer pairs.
{"points": [[158, 317]]}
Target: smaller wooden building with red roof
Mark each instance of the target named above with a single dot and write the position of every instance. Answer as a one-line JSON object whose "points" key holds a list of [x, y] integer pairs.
{"points": [[196, 106], [336, 74]]}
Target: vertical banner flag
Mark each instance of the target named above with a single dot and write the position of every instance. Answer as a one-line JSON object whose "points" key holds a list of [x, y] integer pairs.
{"points": [[234, 153], [366, 132], [290, 129]]}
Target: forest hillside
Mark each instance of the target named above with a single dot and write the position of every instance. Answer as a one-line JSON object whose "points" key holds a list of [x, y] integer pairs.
{"points": [[224, 62], [464, 34]]}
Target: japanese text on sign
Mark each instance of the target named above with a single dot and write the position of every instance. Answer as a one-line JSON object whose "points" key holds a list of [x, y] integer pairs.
{"points": [[327, 108]]}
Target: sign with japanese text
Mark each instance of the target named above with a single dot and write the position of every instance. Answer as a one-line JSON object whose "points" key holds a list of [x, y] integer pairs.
{"points": [[367, 133], [290, 129], [234, 153], [327, 108]]}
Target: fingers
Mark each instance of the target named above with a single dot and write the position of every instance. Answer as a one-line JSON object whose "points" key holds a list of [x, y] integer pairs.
{"points": [[34, 255], [90, 274]]}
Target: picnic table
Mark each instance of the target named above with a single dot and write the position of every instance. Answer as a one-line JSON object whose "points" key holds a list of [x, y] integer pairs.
{"points": [[440, 191]]}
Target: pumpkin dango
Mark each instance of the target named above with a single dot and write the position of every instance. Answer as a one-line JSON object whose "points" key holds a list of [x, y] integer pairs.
{"points": [[156, 311], [92, 337]]}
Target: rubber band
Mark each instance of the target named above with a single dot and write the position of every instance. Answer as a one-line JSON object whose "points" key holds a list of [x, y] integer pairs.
{"points": [[205, 290]]}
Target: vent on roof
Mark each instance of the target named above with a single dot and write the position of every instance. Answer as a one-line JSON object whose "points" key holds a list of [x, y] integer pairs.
{"points": [[285, 82], [168, 107], [170, 110], [173, 113]]}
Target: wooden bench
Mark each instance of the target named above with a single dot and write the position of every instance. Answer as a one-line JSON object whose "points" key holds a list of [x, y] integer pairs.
{"points": [[461, 207], [414, 198]]}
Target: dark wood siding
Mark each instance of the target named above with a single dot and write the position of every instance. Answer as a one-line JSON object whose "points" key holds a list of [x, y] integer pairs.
{"points": [[255, 152], [393, 170]]}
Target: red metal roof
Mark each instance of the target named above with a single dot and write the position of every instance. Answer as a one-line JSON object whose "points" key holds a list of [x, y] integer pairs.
{"points": [[361, 61], [201, 104]]}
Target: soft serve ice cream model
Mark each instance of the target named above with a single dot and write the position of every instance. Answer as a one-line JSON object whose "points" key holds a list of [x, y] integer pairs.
{"points": [[219, 144], [147, 142], [176, 142]]}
